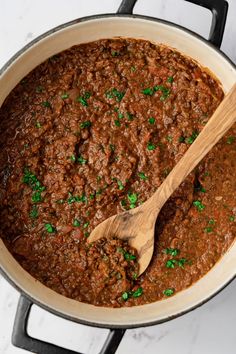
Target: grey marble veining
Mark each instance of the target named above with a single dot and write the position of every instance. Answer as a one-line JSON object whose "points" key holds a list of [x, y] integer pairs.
{"points": [[209, 329]]}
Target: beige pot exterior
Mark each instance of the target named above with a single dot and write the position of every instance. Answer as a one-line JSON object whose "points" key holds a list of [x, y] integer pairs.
{"points": [[86, 31]]}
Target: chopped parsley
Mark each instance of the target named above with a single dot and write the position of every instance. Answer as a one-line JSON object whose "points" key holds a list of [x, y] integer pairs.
{"points": [[112, 147], [181, 262], [86, 225], [34, 212], [171, 263], [231, 218], [198, 204], [151, 146], [130, 116], [83, 99], [65, 96], [49, 228], [170, 79], [114, 53], [171, 251], [127, 294], [208, 229], [85, 124], [32, 181], [133, 68], [137, 292], [142, 176], [120, 115], [76, 223], [211, 222], [46, 104], [169, 292], [191, 139], [81, 160], [181, 139], [36, 197], [133, 198], [230, 140], [151, 120], [117, 123], [38, 125], [129, 256], [73, 158], [150, 91], [114, 93], [120, 185], [73, 199]]}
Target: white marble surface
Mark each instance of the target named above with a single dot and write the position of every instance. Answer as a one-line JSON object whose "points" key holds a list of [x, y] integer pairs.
{"points": [[207, 330]]}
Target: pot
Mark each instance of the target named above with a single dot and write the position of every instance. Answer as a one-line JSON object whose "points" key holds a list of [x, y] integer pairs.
{"points": [[123, 24]]}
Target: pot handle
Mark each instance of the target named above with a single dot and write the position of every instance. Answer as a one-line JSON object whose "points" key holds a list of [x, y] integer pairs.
{"points": [[21, 339], [219, 9]]}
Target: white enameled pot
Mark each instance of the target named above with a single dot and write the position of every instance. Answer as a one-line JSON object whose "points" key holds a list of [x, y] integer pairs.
{"points": [[91, 29]]}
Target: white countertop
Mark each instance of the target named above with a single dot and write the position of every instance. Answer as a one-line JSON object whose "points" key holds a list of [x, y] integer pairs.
{"points": [[209, 329]]}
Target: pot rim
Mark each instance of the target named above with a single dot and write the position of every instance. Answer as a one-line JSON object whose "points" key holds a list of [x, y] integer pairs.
{"points": [[8, 64]]}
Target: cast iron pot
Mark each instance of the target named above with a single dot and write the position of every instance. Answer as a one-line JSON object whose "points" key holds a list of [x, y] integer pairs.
{"points": [[122, 24]]}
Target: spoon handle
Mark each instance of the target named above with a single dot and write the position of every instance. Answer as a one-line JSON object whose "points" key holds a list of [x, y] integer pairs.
{"points": [[220, 122]]}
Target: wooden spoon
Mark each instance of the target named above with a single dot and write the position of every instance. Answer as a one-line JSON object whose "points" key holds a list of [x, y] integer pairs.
{"points": [[138, 225]]}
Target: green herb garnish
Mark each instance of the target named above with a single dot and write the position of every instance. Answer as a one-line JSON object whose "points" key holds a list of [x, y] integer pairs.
{"points": [[211, 222], [191, 139], [46, 104], [142, 176], [125, 296], [181, 262], [130, 116], [231, 218], [230, 140], [114, 93], [129, 256], [120, 185], [133, 198], [137, 292], [49, 228], [65, 96], [208, 229], [151, 120], [82, 160], [198, 204], [76, 223], [117, 123], [73, 158], [170, 79], [151, 146], [34, 212], [171, 263], [171, 251], [83, 99], [85, 124], [169, 292]]}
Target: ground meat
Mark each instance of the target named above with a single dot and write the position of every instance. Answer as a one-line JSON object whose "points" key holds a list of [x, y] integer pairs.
{"points": [[94, 131]]}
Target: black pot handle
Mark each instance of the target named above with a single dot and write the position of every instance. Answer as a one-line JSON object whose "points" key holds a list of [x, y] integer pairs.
{"points": [[21, 339], [219, 9]]}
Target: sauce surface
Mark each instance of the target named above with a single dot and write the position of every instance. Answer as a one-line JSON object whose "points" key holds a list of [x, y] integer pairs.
{"points": [[94, 131]]}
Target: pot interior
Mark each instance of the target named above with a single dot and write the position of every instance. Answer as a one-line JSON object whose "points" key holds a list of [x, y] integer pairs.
{"points": [[85, 31]]}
